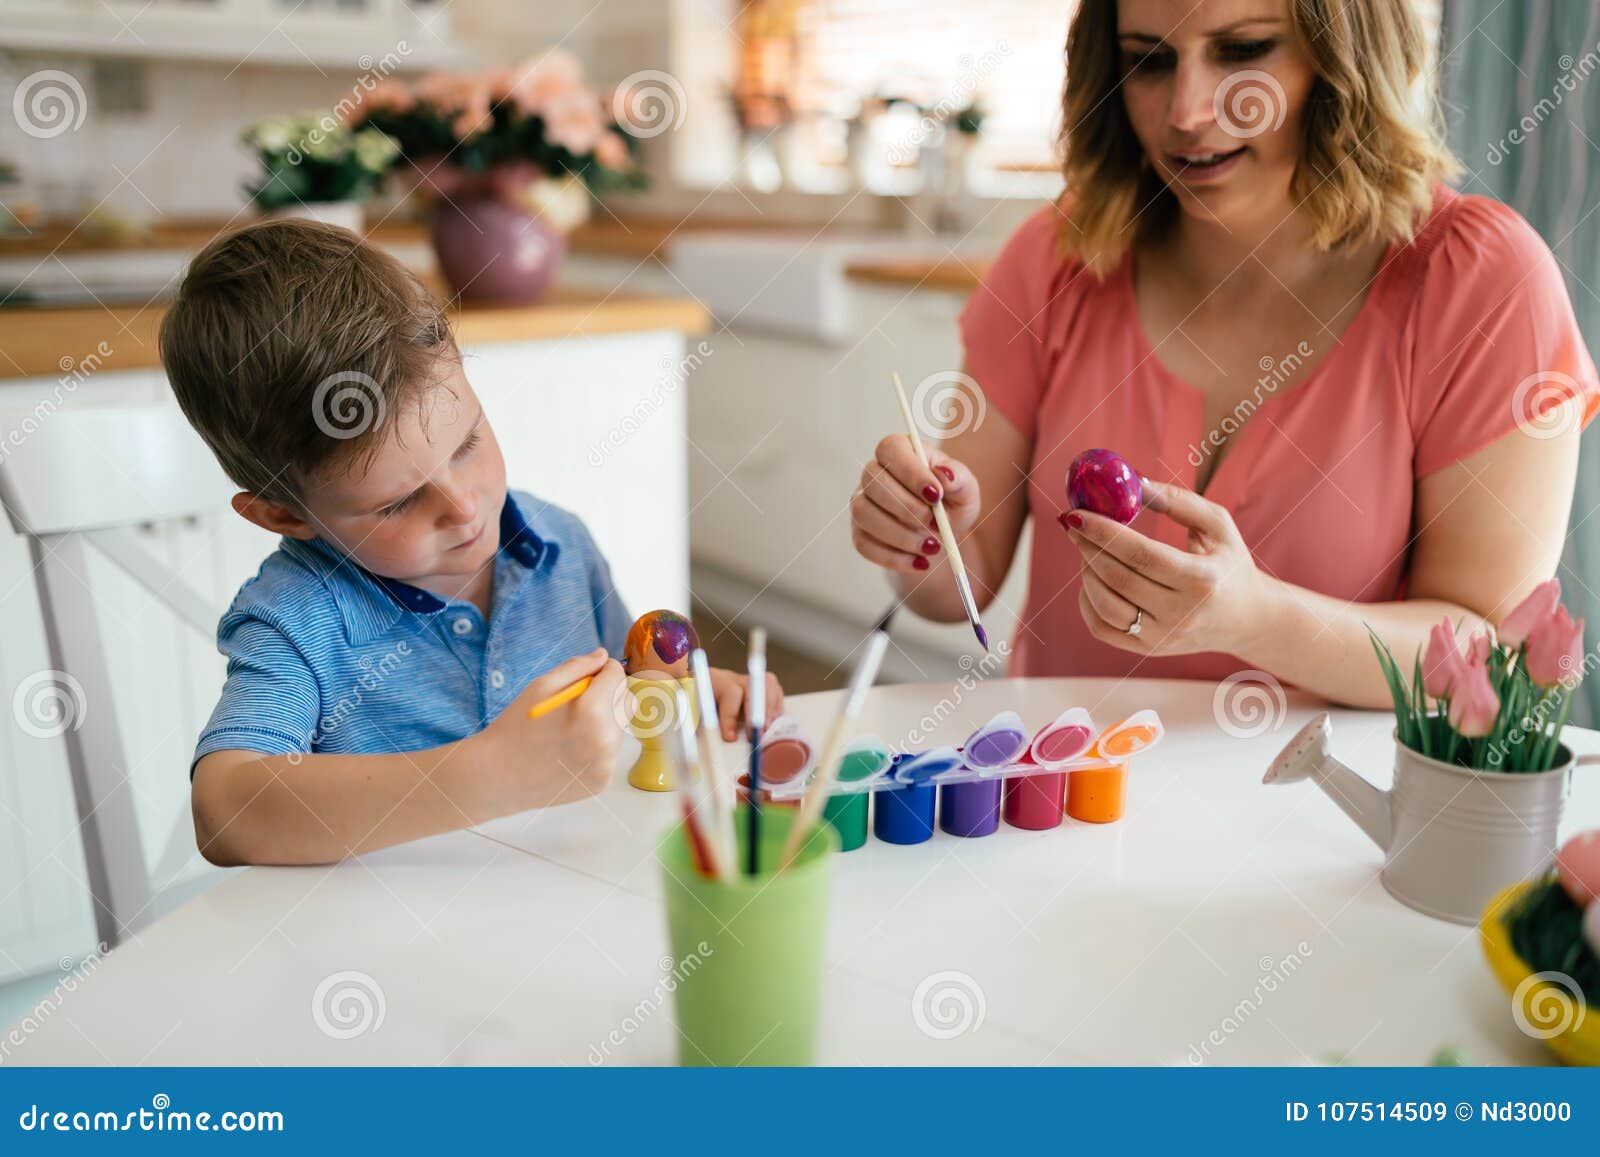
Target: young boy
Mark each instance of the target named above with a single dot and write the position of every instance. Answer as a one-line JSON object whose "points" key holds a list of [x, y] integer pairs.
{"points": [[382, 662]]}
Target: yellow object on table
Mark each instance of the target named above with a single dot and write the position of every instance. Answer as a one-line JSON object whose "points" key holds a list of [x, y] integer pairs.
{"points": [[1575, 1032], [654, 717]]}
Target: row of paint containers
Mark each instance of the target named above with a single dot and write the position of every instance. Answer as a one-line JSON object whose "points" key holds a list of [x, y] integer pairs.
{"points": [[999, 773]]}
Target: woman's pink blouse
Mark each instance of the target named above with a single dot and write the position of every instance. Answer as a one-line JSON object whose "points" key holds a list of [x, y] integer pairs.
{"points": [[1466, 332]]}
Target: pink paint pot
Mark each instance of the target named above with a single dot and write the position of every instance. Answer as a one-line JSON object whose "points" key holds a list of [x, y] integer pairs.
{"points": [[1034, 802]]}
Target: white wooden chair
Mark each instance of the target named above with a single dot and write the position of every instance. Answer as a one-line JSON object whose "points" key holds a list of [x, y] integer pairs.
{"points": [[78, 481]]}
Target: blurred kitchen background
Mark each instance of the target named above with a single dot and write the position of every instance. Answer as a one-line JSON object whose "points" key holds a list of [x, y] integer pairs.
{"points": [[753, 213]]}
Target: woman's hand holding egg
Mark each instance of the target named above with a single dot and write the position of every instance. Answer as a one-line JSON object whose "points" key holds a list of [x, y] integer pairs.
{"points": [[1208, 598]]}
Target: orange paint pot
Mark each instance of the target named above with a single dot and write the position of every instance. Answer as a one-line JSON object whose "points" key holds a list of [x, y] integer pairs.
{"points": [[1098, 795]]}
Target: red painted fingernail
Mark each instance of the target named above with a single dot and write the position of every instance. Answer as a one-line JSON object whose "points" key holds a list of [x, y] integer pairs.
{"points": [[1073, 519], [931, 493], [930, 546], [949, 474], [919, 563]]}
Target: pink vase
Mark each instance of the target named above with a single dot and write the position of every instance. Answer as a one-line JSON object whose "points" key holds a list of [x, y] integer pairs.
{"points": [[490, 252]]}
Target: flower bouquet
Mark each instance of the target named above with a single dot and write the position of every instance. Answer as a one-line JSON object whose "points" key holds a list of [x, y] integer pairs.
{"points": [[312, 161], [1481, 776], [512, 159], [1501, 705]]}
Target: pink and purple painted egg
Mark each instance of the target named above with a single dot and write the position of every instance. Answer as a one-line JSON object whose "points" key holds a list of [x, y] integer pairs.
{"points": [[1578, 867], [659, 641], [1104, 482]]}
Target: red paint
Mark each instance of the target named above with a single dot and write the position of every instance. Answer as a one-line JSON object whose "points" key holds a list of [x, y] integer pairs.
{"points": [[1034, 801], [783, 759]]}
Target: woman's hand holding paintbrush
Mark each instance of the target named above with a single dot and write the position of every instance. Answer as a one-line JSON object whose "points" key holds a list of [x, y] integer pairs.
{"points": [[891, 513], [895, 515]]}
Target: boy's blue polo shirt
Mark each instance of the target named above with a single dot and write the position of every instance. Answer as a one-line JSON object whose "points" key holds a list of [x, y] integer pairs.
{"points": [[324, 656]]}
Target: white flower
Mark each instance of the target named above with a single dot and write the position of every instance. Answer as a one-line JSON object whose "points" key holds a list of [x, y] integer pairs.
{"points": [[562, 202], [375, 149], [272, 134]]}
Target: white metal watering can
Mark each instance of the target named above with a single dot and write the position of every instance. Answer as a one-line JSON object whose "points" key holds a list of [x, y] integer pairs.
{"points": [[1452, 837]]}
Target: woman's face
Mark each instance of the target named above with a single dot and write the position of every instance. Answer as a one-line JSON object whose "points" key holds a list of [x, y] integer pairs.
{"points": [[1215, 91]]}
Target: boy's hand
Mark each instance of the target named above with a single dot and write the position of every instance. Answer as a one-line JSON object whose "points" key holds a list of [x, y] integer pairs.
{"points": [[567, 754], [732, 690]]}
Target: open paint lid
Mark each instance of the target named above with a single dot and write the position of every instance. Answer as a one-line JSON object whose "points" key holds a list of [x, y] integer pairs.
{"points": [[866, 757], [998, 743], [1066, 744], [1121, 741], [916, 770], [1063, 739], [786, 753]]}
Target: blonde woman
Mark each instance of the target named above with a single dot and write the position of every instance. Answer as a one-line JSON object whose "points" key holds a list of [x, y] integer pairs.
{"points": [[1356, 393]]}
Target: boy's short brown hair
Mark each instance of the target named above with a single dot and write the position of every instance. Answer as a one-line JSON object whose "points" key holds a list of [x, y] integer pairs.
{"points": [[292, 344]]}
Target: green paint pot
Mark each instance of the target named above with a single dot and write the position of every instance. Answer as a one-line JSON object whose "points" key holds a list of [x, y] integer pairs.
{"points": [[747, 956], [863, 759], [848, 815]]}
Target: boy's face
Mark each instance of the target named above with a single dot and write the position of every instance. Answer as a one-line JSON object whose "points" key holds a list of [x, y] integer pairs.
{"points": [[424, 508]]}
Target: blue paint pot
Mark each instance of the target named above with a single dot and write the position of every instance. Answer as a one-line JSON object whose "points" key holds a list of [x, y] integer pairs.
{"points": [[904, 815]]}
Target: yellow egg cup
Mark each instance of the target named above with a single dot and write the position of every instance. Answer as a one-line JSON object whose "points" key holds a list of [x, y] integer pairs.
{"points": [[1577, 1045], [654, 717]]}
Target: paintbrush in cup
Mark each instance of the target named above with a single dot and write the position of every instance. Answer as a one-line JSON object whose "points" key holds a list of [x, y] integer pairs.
{"points": [[694, 784], [947, 536], [827, 768], [709, 741], [755, 714]]}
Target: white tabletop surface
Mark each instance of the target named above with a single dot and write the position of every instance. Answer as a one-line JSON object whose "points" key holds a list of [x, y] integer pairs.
{"points": [[1217, 905]]}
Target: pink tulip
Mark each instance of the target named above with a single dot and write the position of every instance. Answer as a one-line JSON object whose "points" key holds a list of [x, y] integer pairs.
{"points": [[1555, 650], [1442, 663], [1529, 613], [1473, 703], [1479, 647]]}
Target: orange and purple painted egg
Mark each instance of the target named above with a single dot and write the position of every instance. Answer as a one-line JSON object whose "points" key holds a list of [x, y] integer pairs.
{"points": [[659, 641], [1104, 482]]}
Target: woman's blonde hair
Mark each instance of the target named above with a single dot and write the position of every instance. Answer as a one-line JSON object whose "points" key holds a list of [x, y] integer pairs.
{"points": [[1370, 155]]}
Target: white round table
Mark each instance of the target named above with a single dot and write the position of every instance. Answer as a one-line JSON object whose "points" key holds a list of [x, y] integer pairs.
{"points": [[1219, 922]]}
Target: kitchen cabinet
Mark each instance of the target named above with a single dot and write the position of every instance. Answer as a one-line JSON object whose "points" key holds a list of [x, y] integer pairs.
{"points": [[295, 33]]}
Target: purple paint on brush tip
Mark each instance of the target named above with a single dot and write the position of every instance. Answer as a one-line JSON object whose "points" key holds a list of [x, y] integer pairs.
{"points": [[983, 635]]}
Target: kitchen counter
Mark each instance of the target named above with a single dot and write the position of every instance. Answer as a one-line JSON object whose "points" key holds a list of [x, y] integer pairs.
{"points": [[604, 235], [54, 340], [958, 275]]}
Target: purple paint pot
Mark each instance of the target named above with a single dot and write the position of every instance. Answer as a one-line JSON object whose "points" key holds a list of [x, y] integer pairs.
{"points": [[973, 809]]}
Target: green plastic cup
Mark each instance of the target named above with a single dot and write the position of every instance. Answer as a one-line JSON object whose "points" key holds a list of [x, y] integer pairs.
{"points": [[748, 955]]}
